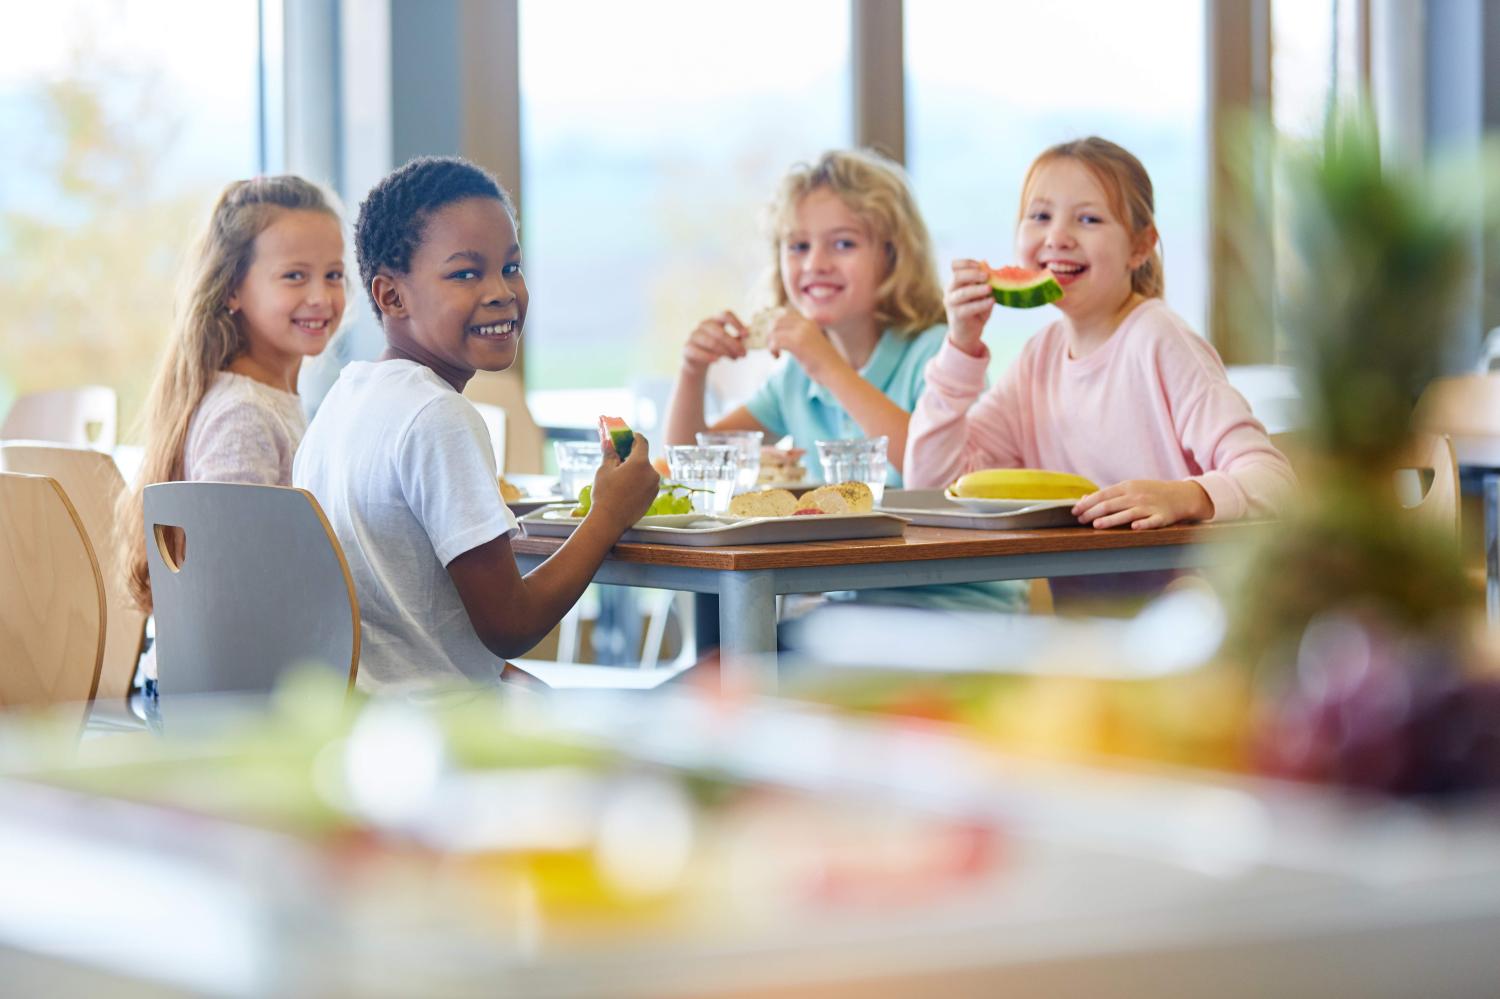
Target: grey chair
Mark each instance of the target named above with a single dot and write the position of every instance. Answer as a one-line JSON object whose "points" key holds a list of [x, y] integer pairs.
{"points": [[257, 585]]}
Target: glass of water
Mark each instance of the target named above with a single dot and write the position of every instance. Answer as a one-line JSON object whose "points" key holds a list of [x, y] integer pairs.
{"points": [[714, 469], [747, 444], [859, 460], [576, 463]]}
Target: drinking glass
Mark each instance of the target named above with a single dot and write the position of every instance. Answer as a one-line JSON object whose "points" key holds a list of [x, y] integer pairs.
{"points": [[576, 463], [858, 460], [747, 443], [714, 469]]}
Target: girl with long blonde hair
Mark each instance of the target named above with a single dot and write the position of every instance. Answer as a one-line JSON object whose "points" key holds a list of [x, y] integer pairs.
{"points": [[262, 288]]}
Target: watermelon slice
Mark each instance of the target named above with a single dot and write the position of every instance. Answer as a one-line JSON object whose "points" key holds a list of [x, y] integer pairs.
{"points": [[1023, 288], [618, 433]]}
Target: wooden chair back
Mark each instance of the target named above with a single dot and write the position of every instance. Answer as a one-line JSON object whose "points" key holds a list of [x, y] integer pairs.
{"points": [[52, 611], [494, 422], [1467, 409], [84, 417], [1436, 506], [524, 440], [261, 586], [93, 484]]}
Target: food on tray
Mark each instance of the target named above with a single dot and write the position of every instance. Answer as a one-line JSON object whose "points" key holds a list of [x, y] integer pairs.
{"points": [[662, 468], [841, 497], [1021, 483], [1022, 287], [617, 433], [509, 491], [766, 503], [781, 465], [758, 333], [673, 498]]}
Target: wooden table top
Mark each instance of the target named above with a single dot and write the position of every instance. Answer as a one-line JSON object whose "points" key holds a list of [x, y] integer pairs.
{"points": [[918, 544]]}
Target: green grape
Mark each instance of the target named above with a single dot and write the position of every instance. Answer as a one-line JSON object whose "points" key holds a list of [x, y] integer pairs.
{"points": [[670, 501], [585, 500]]}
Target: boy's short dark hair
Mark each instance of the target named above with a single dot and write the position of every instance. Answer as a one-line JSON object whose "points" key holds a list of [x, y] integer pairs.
{"points": [[394, 214]]}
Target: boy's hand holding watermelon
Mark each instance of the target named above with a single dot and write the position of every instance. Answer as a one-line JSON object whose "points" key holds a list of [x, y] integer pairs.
{"points": [[625, 484]]}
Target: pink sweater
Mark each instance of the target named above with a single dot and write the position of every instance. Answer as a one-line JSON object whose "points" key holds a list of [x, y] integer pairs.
{"points": [[1152, 402]]}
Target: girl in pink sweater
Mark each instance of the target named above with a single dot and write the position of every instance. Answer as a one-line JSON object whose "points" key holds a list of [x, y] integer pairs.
{"points": [[1119, 389]]}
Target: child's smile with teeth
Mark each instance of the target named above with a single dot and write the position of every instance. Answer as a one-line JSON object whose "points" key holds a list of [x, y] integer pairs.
{"points": [[503, 328]]}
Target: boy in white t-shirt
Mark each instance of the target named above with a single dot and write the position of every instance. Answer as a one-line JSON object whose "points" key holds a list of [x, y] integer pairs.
{"points": [[402, 464]]}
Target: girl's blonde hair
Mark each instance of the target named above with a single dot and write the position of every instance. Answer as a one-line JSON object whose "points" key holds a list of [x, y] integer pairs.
{"points": [[205, 338], [1128, 187], [909, 298]]}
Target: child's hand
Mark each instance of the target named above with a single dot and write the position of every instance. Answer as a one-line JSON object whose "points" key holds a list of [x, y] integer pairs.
{"points": [[969, 304], [1144, 503], [623, 490], [718, 336], [806, 341]]}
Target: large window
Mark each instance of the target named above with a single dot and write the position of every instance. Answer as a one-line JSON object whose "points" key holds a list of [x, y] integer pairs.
{"points": [[990, 85], [119, 122], [651, 139]]}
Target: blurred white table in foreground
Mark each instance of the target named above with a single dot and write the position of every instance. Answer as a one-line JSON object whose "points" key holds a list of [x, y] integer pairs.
{"points": [[1106, 884]]}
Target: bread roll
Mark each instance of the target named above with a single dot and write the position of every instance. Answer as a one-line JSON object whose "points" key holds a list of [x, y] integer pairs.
{"points": [[841, 497], [767, 503]]}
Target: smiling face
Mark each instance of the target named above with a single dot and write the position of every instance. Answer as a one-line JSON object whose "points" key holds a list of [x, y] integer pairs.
{"points": [[1069, 226], [292, 296], [461, 306], [831, 263]]}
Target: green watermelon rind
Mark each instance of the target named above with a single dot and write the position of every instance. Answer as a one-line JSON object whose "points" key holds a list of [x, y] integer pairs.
{"points": [[621, 438], [1043, 291]]}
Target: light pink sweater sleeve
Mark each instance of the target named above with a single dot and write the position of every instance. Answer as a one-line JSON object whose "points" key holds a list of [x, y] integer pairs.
{"points": [[1153, 403], [1243, 473], [950, 433]]}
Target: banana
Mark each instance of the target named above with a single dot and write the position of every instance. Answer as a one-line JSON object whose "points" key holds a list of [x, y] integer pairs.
{"points": [[1021, 483]]}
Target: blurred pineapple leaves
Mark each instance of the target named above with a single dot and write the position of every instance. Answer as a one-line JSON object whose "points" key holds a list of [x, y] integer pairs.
{"points": [[1371, 301], [1376, 271]]}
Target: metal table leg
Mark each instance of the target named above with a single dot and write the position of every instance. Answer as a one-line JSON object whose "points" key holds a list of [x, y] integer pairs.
{"points": [[1492, 546], [747, 630]]}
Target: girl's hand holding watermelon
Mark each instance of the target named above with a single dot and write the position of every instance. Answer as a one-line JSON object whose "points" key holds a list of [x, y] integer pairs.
{"points": [[969, 303]]}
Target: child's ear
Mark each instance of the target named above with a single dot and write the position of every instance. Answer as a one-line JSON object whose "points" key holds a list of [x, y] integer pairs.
{"points": [[1145, 242], [387, 295]]}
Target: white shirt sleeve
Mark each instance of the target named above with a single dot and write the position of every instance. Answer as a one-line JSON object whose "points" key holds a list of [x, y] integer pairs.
{"points": [[447, 474]]}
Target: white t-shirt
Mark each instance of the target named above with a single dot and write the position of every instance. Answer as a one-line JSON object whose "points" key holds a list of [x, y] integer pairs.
{"points": [[402, 466], [243, 431]]}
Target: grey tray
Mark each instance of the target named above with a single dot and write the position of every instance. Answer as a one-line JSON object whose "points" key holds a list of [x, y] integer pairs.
{"points": [[700, 530], [930, 508]]}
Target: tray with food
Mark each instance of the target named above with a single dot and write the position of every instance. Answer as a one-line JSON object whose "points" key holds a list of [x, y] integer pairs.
{"points": [[994, 499], [525, 493], [839, 512]]}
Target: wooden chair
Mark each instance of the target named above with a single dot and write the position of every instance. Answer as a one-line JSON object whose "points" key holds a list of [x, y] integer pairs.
{"points": [[1467, 409], [93, 485], [1436, 505], [494, 422], [523, 438], [52, 610], [258, 586], [84, 417]]}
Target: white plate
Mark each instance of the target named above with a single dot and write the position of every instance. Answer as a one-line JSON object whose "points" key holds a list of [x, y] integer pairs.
{"points": [[988, 505]]}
